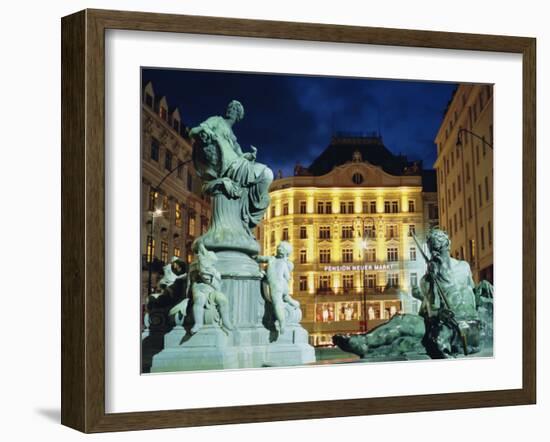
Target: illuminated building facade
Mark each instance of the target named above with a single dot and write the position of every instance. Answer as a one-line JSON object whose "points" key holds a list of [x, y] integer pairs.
{"points": [[177, 210], [465, 177], [349, 216]]}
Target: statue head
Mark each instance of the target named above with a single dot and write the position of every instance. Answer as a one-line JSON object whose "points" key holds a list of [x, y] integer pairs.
{"points": [[178, 265], [284, 249], [438, 241], [235, 110]]}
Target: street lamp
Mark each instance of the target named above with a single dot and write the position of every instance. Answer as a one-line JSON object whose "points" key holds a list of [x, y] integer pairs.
{"points": [[364, 244], [156, 213], [459, 137]]}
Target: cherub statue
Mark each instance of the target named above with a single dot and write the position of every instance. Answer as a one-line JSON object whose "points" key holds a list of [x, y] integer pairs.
{"points": [[205, 293], [277, 275]]}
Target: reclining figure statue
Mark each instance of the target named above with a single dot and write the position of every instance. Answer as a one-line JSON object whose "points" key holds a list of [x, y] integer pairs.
{"points": [[455, 316]]}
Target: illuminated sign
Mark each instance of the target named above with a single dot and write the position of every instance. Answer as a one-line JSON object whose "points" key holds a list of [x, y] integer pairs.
{"points": [[354, 268]]}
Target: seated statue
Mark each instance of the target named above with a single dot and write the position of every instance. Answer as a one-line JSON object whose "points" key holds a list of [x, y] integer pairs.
{"points": [[448, 322], [278, 272], [222, 165]]}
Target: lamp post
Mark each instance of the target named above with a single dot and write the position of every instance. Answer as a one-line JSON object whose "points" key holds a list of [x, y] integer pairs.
{"points": [[459, 137], [364, 244], [156, 213]]}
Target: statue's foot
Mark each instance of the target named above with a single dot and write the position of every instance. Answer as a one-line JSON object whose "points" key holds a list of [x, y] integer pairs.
{"points": [[195, 329]]}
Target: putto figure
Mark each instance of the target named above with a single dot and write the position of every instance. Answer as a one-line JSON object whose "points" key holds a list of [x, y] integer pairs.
{"points": [[206, 294], [448, 323], [279, 268], [223, 166]]}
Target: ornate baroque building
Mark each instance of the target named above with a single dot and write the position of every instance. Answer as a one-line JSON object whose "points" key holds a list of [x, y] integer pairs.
{"points": [[349, 217], [465, 177], [176, 213]]}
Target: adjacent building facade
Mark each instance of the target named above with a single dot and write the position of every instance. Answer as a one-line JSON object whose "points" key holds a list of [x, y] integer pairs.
{"points": [[350, 217], [464, 168], [174, 215]]}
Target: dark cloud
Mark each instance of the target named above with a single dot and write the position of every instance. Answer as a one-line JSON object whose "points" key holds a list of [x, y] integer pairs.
{"points": [[291, 118]]}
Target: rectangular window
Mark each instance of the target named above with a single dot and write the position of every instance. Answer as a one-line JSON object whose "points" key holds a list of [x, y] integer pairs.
{"points": [[394, 207], [412, 254], [163, 113], [477, 154], [411, 206], [347, 232], [467, 167], [472, 245], [347, 255], [347, 281], [176, 125], [328, 207], [370, 255], [490, 233], [303, 283], [343, 207], [165, 204], [393, 279], [180, 169], [155, 149], [486, 188], [285, 234], [450, 226], [432, 211], [371, 281], [285, 209], [387, 207], [191, 226], [373, 207], [391, 231], [449, 196], [178, 215], [177, 252], [351, 207], [189, 181], [392, 254], [469, 208], [272, 211], [364, 207], [455, 223], [414, 279], [324, 232], [459, 183], [320, 207], [454, 191], [370, 231], [303, 207], [164, 251], [324, 283], [482, 238], [324, 256], [460, 218], [150, 248], [303, 232], [272, 238], [303, 256], [168, 160], [479, 195], [412, 230], [152, 200]]}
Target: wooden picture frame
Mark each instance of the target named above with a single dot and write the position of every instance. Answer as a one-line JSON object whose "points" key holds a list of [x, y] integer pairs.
{"points": [[83, 220]]}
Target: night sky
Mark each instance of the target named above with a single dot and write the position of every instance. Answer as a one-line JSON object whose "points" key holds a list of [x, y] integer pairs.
{"points": [[291, 118]]}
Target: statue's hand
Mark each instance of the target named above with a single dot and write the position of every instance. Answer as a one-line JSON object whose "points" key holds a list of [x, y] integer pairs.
{"points": [[251, 156]]}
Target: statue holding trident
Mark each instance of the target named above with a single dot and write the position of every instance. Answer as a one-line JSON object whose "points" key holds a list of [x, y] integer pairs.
{"points": [[448, 323], [238, 184]]}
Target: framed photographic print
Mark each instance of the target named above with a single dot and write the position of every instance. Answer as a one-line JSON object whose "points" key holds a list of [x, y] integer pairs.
{"points": [[267, 220]]}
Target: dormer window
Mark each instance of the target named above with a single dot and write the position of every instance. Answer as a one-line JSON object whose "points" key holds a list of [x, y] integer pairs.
{"points": [[163, 113], [176, 125], [149, 100]]}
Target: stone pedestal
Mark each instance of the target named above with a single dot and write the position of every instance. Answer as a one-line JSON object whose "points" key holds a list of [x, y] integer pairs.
{"points": [[250, 344]]}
